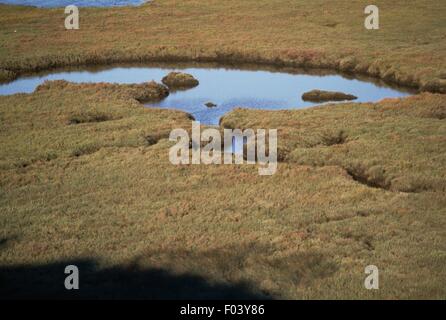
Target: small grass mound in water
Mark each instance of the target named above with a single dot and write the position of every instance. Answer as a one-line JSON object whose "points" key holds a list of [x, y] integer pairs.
{"points": [[149, 91], [210, 104], [322, 96], [179, 80]]}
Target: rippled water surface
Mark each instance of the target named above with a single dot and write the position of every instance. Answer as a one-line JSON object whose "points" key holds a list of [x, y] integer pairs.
{"points": [[226, 87]]}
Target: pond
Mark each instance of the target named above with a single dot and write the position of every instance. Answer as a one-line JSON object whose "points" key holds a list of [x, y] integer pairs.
{"points": [[79, 3], [225, 86]]}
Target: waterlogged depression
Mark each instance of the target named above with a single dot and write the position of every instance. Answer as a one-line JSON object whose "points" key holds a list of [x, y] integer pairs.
{"points": [[224, 87]]}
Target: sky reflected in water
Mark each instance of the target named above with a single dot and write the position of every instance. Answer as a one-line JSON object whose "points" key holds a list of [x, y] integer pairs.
{"points": [[227, 88]]}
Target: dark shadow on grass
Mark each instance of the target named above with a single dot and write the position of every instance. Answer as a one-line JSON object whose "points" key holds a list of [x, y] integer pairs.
{"points": [[249, 271], [3, 242], [47, 282]]}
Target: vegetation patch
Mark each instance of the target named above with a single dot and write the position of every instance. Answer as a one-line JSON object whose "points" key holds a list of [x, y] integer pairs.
{"points": [[180, 80], [374, 177], [89, 118], [395, 144], [154, 138], [85, 150], [144, 92], [98, 115], [323, 96], [150, 91], [333, 138], [435, 112], [417, 183], [6, 75], [210, 104]]}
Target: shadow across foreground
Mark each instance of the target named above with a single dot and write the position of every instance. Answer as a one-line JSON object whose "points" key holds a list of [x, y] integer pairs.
{"points": [[47, 282]]}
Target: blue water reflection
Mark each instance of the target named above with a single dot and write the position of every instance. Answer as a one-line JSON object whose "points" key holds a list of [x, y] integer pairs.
{"points": [[227, 88]]}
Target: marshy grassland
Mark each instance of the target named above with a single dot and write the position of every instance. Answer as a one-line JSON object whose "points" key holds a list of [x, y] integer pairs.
{"points": [[408, 48], [85, 175]]}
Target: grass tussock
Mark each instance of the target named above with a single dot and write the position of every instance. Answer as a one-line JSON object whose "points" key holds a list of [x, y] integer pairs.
{"points": [[85, 149], [323, 96], [332, 138], [180, 80]]}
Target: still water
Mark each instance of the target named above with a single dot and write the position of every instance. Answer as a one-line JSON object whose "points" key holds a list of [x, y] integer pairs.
{"points": [[227, 87]]}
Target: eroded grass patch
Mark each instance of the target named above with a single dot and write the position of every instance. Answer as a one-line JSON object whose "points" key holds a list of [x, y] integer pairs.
{"points": [[395, 144], [89, 118]]}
